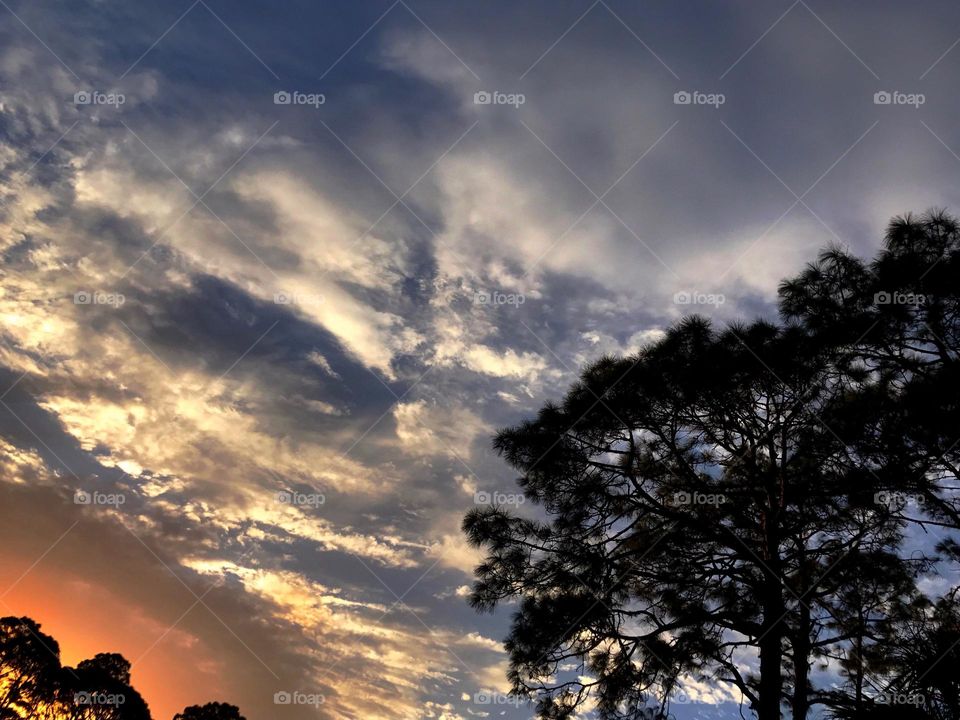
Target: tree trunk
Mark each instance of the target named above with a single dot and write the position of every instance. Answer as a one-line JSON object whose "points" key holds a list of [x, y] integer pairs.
{"points": [[858, 649], [801, 665], [771, 642], [802, 643], [771, 654]]}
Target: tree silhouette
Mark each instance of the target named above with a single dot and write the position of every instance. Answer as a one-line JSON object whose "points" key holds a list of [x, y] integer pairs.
{"points": [[99, 689], [868, 592], [33, 684], [29, 666], [898, 320], [736, 492], [918, 656], [210, 711]]}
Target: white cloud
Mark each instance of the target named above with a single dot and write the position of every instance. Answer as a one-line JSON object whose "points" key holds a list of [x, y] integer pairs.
{"points": [[426, 428]]}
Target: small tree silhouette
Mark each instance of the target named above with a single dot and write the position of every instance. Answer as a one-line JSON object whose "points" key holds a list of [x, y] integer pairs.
{"points": [[29, 667], [210, 711], [99, 689]]}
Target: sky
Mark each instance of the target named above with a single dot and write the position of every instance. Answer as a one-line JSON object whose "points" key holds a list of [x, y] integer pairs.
{"points": [[271, 275]]}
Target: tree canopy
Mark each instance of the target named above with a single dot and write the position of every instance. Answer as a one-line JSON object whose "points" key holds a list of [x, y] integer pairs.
{"points": [[735, 504]]}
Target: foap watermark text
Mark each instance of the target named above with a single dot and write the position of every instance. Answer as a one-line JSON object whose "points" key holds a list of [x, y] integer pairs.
{"points": [[496, 97]]}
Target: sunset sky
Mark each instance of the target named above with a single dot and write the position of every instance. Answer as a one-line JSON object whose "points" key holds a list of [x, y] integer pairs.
{"points": [[209, 296]]}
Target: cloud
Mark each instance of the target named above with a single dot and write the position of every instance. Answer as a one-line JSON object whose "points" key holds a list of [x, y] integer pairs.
{"points": [[425, 428]]}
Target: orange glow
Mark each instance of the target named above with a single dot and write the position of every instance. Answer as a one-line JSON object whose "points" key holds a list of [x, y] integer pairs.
{"points": [[170, 673]]}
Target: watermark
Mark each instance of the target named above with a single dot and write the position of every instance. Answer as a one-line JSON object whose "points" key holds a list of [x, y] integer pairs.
{"points": [[83, 497], [483, 497], [489, 697], [284, 697], [698, 298], [900, 298], [95, 297], [895, 500], [695, 97], [303, 299], [495, 97], [299, 499], [895, 97], [99, 698], [494, 297], [894, 698], [314, 100], [95, 97], [698, 498]]}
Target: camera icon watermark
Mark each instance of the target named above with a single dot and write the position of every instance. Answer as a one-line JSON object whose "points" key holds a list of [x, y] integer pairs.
{"points": [[895, 97], [698, 298], [301, 299], [695, 97], [894, 698], [85, 497], [698, 498], [295, 97], [88, 699], [482, 497], [95, 97], [900, 298], [896, 500], [494, 297], [295, 697], [495, 97], [300, 499], [490, 697], [87, 297]]}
